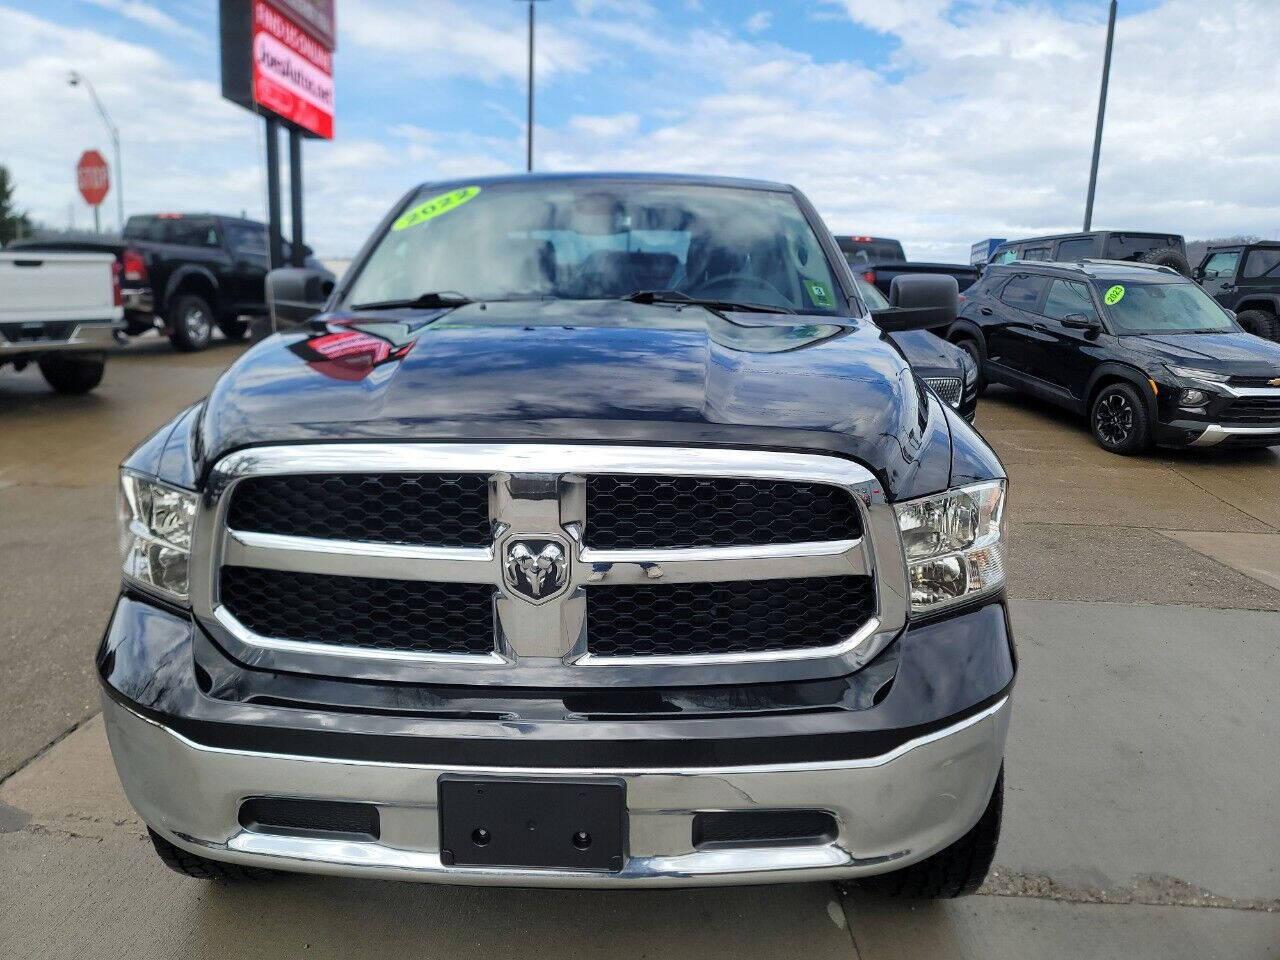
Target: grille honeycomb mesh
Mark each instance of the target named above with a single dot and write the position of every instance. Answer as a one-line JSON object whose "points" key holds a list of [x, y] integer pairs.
{"points": [[625, 512], [751, 616], [366, 612], [440, 510]]}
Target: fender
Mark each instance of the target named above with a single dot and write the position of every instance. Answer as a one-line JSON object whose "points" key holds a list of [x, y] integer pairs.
{"points": [[1251, 301], [966, 327], [1132, 374], [185, 273]]}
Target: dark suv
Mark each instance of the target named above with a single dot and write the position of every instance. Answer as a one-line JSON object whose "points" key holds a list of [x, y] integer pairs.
{"points": [[1245, 277], [1140, 349], [1164, 249]]}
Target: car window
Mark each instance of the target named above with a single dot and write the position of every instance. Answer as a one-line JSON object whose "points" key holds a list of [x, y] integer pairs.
{"points": [[250, 238], [193, 232], [871, 295], [1127, 246], [860, 250], [145, 228], [1075, 249], [1067, 297], [1024, 290], [1036, 253], [1222, 264], [1262, 263], [1005, 256], [1153, 308], [595, 239]]}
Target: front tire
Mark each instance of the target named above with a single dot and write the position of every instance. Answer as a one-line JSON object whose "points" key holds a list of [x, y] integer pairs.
{"points": [[1119, 420], [202, 868], [190, 322], [73, 375], [956, 871], [974, 350], [1260, 323]]}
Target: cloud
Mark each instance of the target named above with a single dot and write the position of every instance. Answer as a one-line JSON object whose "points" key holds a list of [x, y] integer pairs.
{"points": [[148, 16], [758, 22], [979, 122]]}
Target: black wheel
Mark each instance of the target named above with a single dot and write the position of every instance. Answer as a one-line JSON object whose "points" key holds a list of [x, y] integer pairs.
{"points": [[1168, 257], [190, 323], [78, 374], [1260, 323], [1119, 419], [233, 328], [971, 347], [201, 868], [956, 871]]}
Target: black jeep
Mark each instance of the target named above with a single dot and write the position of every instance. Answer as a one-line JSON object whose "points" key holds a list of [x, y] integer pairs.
{"points": [[1245, 277]]}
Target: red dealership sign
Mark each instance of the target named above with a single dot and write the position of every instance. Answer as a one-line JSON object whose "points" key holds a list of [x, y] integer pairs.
{"points": [[277, 59], [92, 177]]}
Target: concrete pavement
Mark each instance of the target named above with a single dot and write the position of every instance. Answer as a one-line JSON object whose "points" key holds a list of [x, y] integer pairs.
{"points": [[1142, 768]]}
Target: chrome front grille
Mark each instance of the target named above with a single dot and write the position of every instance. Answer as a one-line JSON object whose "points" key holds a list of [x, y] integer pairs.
{"points": [[586, 564], [950, 389]]}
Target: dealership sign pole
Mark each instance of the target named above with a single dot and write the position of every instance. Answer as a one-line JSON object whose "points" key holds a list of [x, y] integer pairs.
{"points": [[277, 60], [93, 179]]}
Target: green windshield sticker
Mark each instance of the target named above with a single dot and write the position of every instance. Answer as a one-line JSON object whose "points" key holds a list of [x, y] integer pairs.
{"points": [[1114, 295], [434, 207], [818, 293]]}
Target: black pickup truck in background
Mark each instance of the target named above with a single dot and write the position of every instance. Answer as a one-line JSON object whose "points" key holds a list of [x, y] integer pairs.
{"points": [[879, 259], [1245, 278], [185, 273]]}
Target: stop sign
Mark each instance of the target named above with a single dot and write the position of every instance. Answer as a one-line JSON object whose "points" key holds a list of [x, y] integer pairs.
{"points": [[92, 177]]}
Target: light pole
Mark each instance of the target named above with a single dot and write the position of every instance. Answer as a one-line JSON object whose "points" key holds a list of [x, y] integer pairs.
{"points": [[529, 130], [74, 78], [1102, 109]]}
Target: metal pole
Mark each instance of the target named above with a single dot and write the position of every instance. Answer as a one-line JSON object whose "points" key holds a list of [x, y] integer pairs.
{"points": [[75, 78], [295, 197], [97, 226], [529, 137], [1102, 109], [275, 243]]}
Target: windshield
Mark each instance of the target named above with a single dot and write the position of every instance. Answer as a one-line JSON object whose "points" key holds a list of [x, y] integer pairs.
{"points": [[1161, 308], [597, 239]]}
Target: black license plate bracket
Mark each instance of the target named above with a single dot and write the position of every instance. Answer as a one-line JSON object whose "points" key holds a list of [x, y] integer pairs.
{"points": [[533, 823]]}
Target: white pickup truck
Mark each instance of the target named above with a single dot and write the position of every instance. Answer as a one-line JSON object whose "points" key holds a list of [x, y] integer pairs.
{"points": [[62, 311]]}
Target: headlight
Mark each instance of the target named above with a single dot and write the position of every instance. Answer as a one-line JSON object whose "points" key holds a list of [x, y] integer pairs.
{"points": [[1193, 398], [953, 546], [1191, 373], [155, 535]]}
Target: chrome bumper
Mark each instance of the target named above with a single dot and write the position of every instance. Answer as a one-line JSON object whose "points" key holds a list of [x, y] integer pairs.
{"points": [[139, 300], [1216, 433], [891, 810], [85, 338]]}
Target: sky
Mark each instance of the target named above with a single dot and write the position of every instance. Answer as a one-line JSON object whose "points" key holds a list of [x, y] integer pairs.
{"points": [[940, 122]]}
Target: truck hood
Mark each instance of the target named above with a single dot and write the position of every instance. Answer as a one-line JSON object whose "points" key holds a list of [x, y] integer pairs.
{"points": [[586, 371], [1234, 353]]}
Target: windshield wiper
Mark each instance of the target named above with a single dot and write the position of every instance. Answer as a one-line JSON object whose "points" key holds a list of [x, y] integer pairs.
{"points": [[427, 301], [675, 296]]}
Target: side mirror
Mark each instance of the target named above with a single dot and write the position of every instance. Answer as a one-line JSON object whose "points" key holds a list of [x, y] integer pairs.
{"points": [[1080, 321], [919, 302], [1197, 273], [296, 294], [1229, 313]]}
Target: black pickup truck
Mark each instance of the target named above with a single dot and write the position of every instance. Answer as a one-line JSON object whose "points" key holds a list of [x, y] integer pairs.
{"points": [[1245, 278], [184, 272], [590, 532]]}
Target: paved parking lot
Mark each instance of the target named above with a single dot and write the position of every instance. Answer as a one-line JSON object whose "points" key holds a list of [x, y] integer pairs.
{"points": [[1140, 820]]}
